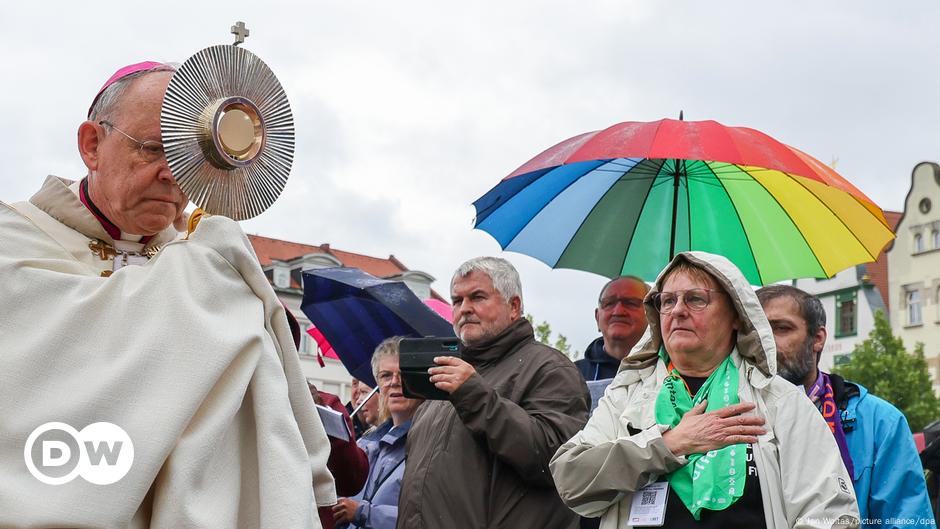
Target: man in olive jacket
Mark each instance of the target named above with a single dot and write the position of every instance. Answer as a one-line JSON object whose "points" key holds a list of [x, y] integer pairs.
{"points": [[480, 460]]}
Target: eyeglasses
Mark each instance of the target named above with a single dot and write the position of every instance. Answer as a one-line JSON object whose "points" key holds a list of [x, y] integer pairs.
{"points": [[610, 302], [386, 378], [149, 151], [695, 299]]}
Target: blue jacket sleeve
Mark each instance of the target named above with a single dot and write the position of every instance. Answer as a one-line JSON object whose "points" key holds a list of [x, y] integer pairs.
{"points": [[897, 488], [370, 516]]}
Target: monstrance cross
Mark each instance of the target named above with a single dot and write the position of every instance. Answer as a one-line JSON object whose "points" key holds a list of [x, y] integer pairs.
{"points": [[240, 32]]}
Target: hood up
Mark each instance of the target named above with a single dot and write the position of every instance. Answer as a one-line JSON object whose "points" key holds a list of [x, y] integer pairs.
{"points": [[755, 339]]}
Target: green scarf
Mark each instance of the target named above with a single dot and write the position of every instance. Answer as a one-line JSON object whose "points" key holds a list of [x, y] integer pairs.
{"points": [[713, 480]]}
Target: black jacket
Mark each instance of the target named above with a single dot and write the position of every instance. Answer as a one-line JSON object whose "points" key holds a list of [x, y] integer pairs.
{"points": [[597, 364]]}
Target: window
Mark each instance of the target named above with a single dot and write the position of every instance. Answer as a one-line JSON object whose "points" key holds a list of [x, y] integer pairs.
{"points": [[936, 301], [935, 235], [281, 277], [308, 347], [913, 308], [846, 314], [841, 359], [918, 243]]}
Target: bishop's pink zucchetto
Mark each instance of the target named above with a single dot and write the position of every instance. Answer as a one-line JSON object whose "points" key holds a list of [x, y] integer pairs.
{"points": [[122, 73]]}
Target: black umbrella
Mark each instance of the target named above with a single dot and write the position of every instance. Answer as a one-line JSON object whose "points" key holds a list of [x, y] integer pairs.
{"points": [[355, 311]]}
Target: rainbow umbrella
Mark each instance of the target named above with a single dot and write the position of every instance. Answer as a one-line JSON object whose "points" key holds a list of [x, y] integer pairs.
{"points": [[626, 199]]}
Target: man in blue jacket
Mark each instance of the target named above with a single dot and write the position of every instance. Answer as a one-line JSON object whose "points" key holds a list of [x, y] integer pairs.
{"points": [[621, 320], [873, 436]]}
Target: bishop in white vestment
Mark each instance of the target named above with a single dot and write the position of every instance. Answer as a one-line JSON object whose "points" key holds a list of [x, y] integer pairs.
{"points": [[183, 345]]}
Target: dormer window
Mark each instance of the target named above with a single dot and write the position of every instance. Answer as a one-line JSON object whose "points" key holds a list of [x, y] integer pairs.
{"points": [[281, 276], [418, 282], [316, 261]]}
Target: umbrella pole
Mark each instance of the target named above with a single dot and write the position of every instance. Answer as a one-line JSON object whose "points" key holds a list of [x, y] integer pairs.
{"points": [[364, 401], [675, 210], [675, 206]]}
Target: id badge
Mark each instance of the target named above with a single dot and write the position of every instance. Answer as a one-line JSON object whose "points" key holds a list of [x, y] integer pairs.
{"points": [[648, 508]]}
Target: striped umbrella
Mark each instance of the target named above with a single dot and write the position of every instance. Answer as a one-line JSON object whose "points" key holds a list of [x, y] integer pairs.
{"points": [[626, 199]]}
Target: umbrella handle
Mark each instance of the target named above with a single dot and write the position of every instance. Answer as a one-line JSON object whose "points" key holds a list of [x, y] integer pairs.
{"points": [[364, 401]]}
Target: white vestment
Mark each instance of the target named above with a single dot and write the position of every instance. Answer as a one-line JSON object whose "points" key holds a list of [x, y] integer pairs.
{"points": [[190, 354]]}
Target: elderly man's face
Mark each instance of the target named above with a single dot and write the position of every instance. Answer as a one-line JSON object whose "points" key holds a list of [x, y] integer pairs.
{"points": [[137, 195], [354, 391], [480, 312], [369, 412], [620, 315]]}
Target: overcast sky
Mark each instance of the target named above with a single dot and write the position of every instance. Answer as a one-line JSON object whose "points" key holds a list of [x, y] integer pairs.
{"points": [[406, 112]]}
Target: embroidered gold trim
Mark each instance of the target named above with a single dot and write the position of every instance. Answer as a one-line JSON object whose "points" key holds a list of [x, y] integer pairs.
{"points": [[105, 251]]}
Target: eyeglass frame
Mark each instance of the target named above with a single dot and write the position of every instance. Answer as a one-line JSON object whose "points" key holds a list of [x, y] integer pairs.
{"points": [[680, 296], [620, 300], [392, 375], [142, 146]]}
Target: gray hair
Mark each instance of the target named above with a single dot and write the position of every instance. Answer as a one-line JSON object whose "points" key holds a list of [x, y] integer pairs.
{"points": [[387, 349], [109, 100], [811, 308], [504, 276]]}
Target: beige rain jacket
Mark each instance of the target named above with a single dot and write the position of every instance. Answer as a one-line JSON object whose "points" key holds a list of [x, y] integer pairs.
{"points": [[803, 481]]}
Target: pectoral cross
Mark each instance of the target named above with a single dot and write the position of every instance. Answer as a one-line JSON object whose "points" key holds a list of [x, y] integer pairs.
{"points": [[104, 250], [240, 32]]}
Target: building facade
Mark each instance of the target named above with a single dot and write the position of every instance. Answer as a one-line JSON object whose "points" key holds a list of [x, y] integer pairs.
{"points": [[283, 263], [914, 264]]}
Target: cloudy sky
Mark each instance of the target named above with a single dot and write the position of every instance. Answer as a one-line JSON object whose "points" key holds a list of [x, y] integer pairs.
{"points": [[408, 111]]}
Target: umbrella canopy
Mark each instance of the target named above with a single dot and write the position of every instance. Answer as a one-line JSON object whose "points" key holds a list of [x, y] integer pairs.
{"points": [[626, 199], [441, 308], [356, 311], [322, 343]]}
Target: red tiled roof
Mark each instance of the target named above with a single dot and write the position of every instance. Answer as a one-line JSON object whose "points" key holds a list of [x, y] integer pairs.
{"points": [[878, 270], [374, 265], [269, 249]]}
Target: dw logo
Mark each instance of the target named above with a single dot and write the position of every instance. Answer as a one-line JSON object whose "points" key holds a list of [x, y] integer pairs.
{"points": [[101, 453]]}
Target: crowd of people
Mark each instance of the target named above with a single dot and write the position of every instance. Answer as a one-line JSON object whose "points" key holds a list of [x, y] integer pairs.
{"points": [[713, 411]]}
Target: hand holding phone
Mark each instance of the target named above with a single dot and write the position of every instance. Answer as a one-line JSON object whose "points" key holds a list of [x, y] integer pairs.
{"points": [[415, 357]]}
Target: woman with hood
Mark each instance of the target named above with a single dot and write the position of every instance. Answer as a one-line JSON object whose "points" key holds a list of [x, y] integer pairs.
{"points": [[696, 430]]}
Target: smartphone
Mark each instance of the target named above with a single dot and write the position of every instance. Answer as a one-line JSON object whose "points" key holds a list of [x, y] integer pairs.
{"points": [[415, 357]]}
